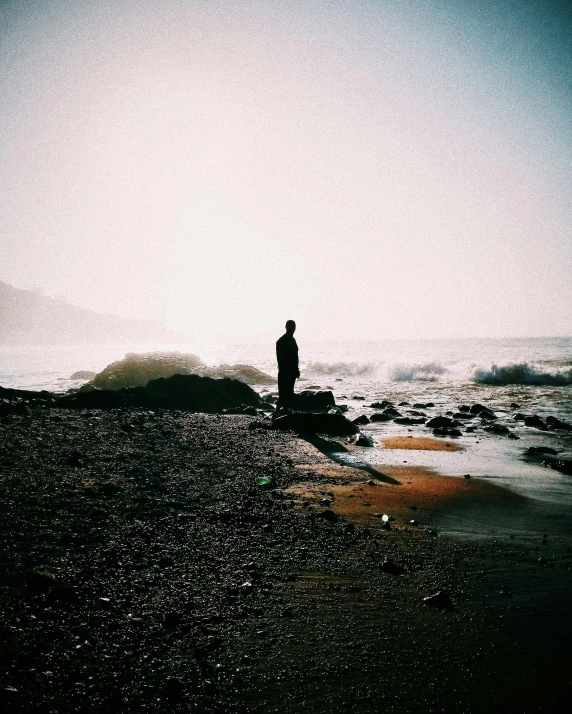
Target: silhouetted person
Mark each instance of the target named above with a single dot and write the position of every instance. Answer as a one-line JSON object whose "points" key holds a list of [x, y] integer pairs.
{"points": [[288, 372]]}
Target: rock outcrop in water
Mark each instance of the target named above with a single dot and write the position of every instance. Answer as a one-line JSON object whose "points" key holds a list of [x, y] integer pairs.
{"points": [[138, 369]]}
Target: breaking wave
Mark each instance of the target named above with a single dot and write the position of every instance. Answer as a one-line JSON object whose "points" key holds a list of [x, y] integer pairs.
{"points": [[428, 372], [137, 369], [347, 369], [522, 374]]}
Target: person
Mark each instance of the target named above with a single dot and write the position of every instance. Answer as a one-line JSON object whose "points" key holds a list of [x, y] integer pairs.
{"points": [[288, 372]]}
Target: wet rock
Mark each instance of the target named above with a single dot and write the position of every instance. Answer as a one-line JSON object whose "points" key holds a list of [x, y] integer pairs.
{"points": [[381, 405], [360, 420], [446, 431], [539, 450], [464, 408], [360, 439], [467, 476], [478, 408], [514, 405], [410, 420], [335, 424], [513, 436], [403, 404], [441, 600], [380, 416], [520, 417], [554, 423], [487, 415], [309, 401], [429, 405], [391, 567], [413, 522], [463, 415], [419, 405], [392, 412], [536, 422], [438, 422], [497, 429]]}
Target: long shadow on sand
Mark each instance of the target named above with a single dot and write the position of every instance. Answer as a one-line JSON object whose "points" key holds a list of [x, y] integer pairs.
{"points": [[331, 449]]}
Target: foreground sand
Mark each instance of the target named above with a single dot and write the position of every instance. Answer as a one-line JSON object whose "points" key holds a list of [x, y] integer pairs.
{"points": [[145, 571]]}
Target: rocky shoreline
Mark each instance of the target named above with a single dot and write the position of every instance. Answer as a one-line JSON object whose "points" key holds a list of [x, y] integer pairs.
{"points": [[160, 561]]}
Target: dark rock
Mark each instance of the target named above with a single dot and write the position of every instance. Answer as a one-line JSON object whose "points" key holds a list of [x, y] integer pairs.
{"points": [[429, 405], [447, 431], [360, 420], [410, 420], [381, 405], [335, 423], [360, 439], [438, 422], [187, 392], [520, 417], [309, 401], [497, 429], [487, 415], [380, 417], [478, 408], [420, 405], [470, 429], [358, 397], [42, 579], [392, 412], [554, 423], [391, 567], [467, 476], [536, 422], [413, 522], [464, 408], [463, 415], [513, 436], [441, 600], [538, 450], [328, 515], [514, 405], [403, 404]]}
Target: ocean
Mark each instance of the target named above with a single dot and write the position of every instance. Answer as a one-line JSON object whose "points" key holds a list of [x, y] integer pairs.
{"points": [[537, 371]]}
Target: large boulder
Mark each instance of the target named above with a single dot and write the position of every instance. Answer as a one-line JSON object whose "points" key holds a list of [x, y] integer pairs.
{"points": [[332, 423], [186, 392]]}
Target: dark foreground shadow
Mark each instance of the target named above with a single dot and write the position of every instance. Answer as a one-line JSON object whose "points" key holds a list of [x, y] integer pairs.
{"points": [[331, 449]]}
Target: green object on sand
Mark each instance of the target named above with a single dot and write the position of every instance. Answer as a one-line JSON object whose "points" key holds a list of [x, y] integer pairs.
{"points": [[265, 482]]}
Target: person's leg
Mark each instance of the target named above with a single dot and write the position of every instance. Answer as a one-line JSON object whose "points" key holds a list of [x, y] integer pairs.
{"points": [[285, 390]]}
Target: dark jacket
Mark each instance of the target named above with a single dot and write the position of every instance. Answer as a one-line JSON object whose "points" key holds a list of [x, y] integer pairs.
{"points": [[287, 355]]}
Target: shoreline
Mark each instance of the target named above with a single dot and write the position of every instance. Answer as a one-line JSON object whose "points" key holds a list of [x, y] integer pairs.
{"points": [[145, 570]]}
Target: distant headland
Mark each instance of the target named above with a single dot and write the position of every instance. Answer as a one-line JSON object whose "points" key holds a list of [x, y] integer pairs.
{"points": [[31, 318]]}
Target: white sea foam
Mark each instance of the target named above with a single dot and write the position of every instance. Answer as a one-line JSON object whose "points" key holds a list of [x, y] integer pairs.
{"points": [[416, 372], [342, 369]]}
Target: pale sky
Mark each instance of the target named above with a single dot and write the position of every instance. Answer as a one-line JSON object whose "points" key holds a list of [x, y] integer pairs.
{"points": [[389, 169]]}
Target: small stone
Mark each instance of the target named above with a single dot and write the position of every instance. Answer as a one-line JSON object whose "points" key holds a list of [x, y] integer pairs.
{"points": [[441, 600], [391, 567]]}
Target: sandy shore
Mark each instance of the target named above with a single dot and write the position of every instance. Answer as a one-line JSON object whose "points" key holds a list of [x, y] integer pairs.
{"points": [[145, 571]]}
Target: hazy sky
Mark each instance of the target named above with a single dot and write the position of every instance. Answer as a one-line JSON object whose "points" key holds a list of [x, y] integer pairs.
{"points": [[381, 169]]}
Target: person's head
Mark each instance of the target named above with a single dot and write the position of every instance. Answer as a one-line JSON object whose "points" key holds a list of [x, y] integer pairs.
{"points": [[290, 327]]}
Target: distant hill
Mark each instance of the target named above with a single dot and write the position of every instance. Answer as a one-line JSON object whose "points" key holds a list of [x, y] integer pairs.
{"points": [[29, 317]]}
